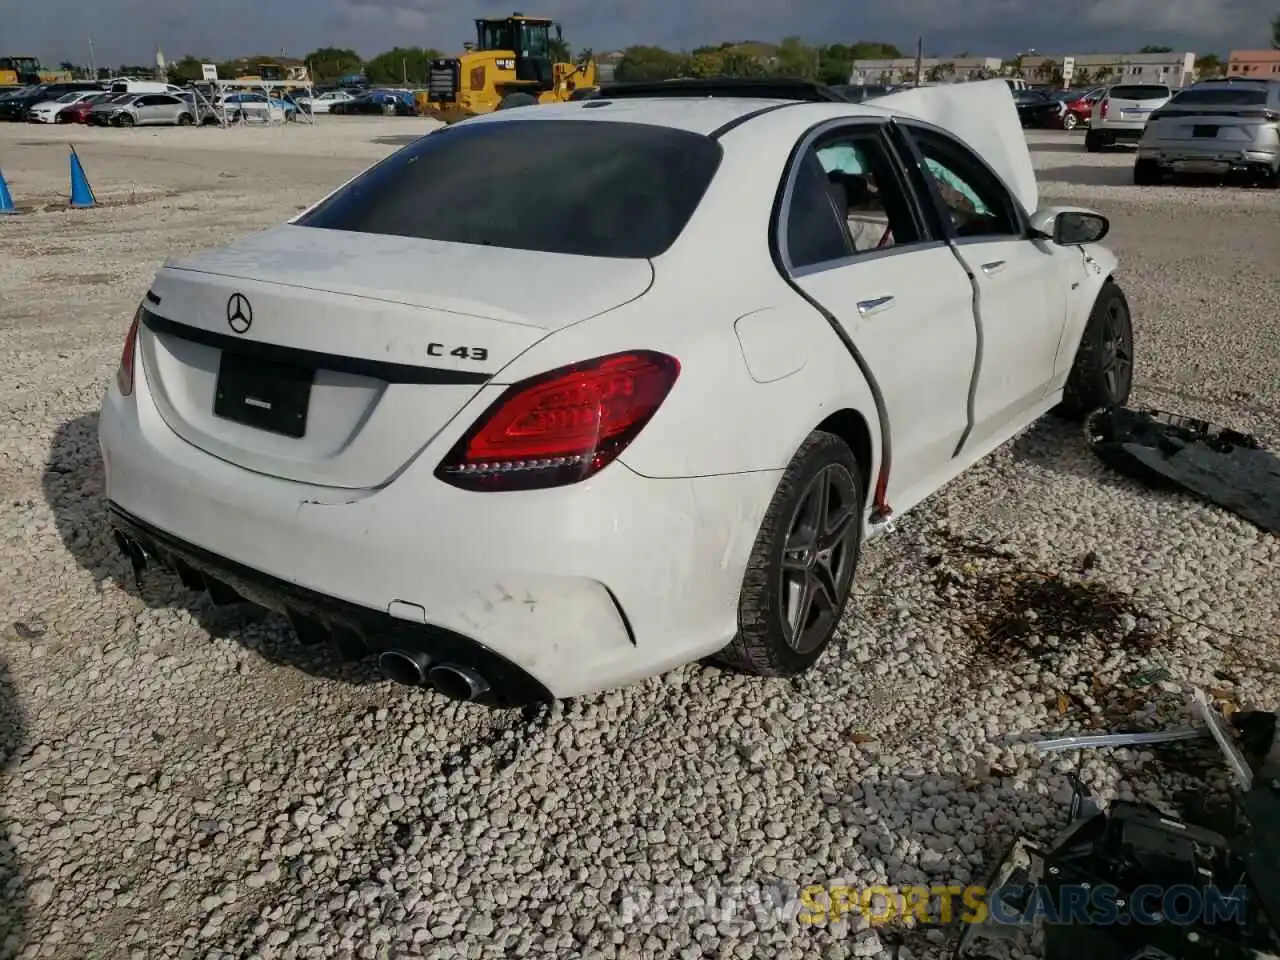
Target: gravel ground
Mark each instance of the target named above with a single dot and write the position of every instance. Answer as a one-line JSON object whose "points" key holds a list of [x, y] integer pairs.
{"points": [[184, 783]]}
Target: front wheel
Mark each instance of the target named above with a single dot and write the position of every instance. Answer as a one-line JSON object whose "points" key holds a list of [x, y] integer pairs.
{"points": [[1102, 375], [124, 120], [185, 120], [801, 567], [517, 100], [1070, 121]]}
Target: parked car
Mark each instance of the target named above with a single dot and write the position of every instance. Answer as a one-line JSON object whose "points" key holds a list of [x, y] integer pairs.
{"points": [[79, 112], [322, 102], [347, 419], [859, 92], [256, 106], [1038, 110], [16, 107], [1079, 107], [1222, 127], [398, 103], [142, 109], [201, 107], [47, 112], [1120, 114]]}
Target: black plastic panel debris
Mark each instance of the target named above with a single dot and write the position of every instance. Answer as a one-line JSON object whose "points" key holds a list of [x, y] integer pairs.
{"points": [[1222, 466]]}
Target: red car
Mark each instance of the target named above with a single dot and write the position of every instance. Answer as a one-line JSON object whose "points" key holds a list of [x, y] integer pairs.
{"points": [[79, 112], [1079, 108]]}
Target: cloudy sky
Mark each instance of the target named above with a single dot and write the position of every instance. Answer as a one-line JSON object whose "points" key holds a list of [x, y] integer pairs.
{"points": [[129, 30]]}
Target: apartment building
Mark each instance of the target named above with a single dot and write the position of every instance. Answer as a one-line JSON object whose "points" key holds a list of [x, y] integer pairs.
{"points": [[903, 69], [1174, 69], [1254, 63]]}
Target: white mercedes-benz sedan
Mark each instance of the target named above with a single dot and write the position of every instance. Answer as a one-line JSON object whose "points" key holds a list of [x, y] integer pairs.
{"points": [[559, 398]]}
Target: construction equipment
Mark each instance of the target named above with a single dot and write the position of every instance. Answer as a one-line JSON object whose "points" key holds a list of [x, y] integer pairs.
{"points": [[19, 71], [511, 64]]}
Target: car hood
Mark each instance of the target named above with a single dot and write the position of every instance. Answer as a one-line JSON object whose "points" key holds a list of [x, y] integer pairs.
{"points": [[983, 115]]}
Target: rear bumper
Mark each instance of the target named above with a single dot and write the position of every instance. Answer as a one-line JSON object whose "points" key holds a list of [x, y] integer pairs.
{"points": [[1120, 130], [573, 590], [1207, 155]]}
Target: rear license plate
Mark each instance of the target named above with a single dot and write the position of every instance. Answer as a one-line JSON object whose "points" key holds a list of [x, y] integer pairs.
{"points": [[1199, 131], [1134, 114], [266, 394]]}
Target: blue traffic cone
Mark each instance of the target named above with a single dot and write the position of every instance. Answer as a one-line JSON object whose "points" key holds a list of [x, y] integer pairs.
{"points": [[6, 198], [81, 193]]}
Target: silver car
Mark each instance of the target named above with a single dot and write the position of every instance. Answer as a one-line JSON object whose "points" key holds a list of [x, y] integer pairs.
{"points": [[1121, 113], [143, 109], [1221, 127]]}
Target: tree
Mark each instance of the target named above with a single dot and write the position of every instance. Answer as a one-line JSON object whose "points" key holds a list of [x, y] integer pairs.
{"points": [[873, 50], [1210, 65], [330, 63], [795, 58], [187, 70], [648, 63], [1154, 49], [1275, 32], [559, 51], [400, 65]]}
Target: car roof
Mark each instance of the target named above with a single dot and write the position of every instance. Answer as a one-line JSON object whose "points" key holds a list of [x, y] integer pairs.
{"points": [[696, 115]]}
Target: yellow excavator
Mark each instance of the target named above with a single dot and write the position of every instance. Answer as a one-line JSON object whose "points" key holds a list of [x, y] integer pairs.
{"points": [[20, 71], [510, 64]]}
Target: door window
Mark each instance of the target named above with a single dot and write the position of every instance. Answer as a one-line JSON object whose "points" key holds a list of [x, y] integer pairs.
{"points": [[972, 197], [847, 199]]}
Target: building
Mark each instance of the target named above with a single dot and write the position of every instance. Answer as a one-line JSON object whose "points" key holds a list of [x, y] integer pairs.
{"points": [[942, 69], [1174, 69], [1254, 63]]}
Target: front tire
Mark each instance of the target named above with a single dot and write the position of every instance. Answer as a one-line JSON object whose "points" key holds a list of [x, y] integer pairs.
{"points": [[1102, 375], [802, 565], [517, 100], [1070, 122], [124, 120], [185, 120]]}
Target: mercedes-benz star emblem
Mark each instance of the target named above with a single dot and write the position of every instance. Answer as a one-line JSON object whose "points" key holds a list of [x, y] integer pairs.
{"points": [[239, 313]]}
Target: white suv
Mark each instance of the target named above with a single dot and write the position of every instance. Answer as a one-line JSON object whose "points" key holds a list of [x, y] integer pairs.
{"points": [[1121, 113]]}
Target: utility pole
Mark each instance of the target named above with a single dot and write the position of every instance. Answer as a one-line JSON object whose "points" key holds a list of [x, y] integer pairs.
{"points": [[919, 59], [93, 65]]}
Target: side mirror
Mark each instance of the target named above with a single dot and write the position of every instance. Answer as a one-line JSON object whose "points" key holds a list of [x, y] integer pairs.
{"points": [[1069, 226], [1074, 228]]}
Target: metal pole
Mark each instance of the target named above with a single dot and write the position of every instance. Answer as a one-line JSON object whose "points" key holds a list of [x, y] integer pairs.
{"points": [[93, 64], [919, 60]]}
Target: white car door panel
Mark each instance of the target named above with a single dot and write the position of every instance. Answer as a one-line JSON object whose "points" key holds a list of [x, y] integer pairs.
{"points": [[1021, 305], [855, 244], [919, 341], [1017, 281]]}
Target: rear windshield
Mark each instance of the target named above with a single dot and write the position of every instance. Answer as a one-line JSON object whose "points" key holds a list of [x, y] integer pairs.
{"points": [[592, 188], [1139, 91], [1224, 96]]}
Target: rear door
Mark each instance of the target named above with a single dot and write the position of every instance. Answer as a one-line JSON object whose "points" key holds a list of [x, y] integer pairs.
{"points": [[147, 108], [853, 239], [1019, 293]]}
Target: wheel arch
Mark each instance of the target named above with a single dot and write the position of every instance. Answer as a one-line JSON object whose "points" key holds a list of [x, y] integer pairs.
{"points": [[852, 427]]}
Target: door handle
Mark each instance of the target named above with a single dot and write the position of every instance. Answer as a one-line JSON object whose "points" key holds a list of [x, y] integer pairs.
{"points": [[992, 268], [867, 307]]}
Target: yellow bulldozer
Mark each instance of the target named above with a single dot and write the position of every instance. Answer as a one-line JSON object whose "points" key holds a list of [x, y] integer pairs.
{"points": [[510, 64]]}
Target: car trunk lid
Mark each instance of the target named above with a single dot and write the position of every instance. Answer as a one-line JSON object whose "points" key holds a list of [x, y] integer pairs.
{"points": [[332, 358]]}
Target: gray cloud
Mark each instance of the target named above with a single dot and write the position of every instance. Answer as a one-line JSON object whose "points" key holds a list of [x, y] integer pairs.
{"points": [[129, 30]]}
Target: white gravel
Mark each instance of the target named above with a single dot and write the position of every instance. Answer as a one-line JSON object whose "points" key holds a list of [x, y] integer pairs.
{"points": [[180, 783]]}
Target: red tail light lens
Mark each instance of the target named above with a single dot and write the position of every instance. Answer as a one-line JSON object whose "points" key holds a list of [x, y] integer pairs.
{"points": [[124, 376], [561, 427], [1106, 105]]}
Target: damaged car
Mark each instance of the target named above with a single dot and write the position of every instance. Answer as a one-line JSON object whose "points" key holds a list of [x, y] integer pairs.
{"points": [[519, 451]]}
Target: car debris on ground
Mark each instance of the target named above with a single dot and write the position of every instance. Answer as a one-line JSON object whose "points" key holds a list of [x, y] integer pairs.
{"points": [[1222, 466], [1134, 883]]}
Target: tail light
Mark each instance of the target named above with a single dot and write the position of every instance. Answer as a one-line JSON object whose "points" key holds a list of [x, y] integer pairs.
{"points": [[1102, 112], [563, 426], [124, 375]]}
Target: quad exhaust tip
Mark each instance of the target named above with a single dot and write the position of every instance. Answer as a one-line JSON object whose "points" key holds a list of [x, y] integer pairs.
{"points": [[414, 669]]}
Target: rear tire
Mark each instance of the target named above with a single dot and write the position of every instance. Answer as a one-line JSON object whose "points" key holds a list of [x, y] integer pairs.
{"points": [[801, 568], [1070, 121], [1146, 173], [1102, 375], [1093, 142]]}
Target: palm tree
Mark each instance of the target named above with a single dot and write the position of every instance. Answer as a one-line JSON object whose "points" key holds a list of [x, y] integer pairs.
{"points": [[1275, 32]]}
